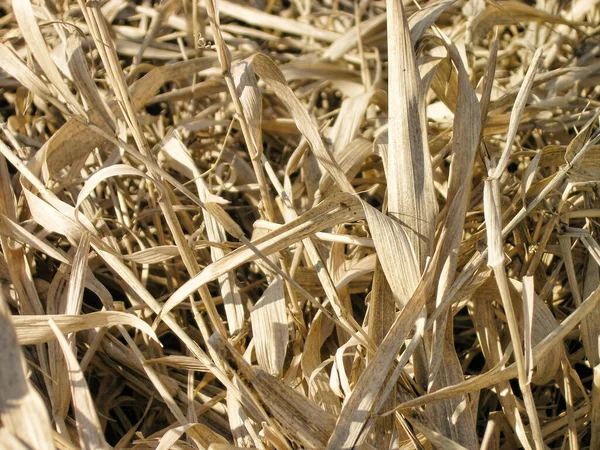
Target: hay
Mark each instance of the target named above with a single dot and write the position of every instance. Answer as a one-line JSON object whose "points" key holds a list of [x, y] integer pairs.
{"points": [[278, 225]]}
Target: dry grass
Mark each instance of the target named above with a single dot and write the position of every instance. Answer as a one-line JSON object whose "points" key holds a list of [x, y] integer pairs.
{"points": [[299, 224]]}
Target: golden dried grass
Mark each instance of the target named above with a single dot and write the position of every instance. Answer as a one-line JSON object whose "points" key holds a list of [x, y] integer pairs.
{"points": [[279, 225]]}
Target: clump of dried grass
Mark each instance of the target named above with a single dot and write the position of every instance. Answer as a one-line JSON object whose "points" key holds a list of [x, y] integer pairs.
{"points": [[283, 225]]}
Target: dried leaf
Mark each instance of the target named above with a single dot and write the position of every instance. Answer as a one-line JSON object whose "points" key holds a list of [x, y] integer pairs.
{"points": [[411, 198], [270, 329]]}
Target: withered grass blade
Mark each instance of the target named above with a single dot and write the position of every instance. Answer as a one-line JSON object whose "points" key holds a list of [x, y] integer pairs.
{"points": [[411, 196], [33, 329], [270, 329], [444, 360], [518, 109]]}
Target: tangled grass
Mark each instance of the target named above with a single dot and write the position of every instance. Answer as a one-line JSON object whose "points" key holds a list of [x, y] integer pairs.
{"points": [[299, 224]]}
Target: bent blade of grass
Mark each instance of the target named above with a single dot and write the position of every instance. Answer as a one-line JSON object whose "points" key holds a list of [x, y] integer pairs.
{"points": [[511, 13], [425, 17], [34, 329], [105, 173], [266, 69], [261, 19], [52, 219]]}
